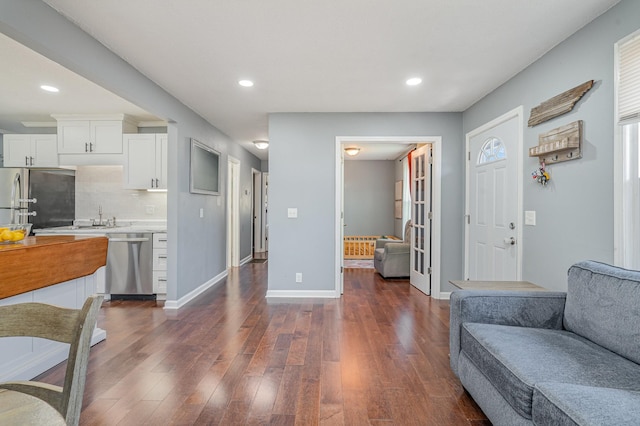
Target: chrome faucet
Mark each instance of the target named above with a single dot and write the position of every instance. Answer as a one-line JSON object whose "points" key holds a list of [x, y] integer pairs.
{"points": [[100, 214]]}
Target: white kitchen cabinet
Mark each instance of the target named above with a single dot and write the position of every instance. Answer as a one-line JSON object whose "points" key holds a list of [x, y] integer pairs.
{"points": [[160, 264], [79, 134], [145, 165], [30, 151]]}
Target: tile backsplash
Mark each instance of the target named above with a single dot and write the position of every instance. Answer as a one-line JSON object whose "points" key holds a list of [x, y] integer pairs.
{"points": [[102, 186]]}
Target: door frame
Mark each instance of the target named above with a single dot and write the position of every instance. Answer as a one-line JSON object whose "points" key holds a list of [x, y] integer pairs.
{"points": [[517, 113], [436, 144], [233, 209], [257, 216]]}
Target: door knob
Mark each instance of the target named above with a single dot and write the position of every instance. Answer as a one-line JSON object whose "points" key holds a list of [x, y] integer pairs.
{"points": [[510, 241]]}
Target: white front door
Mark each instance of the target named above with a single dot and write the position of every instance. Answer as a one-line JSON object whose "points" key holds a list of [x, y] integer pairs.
{"points": [[493, 219], [420, 274]]}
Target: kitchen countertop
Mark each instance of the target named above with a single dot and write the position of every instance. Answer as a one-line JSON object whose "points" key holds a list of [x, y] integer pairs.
{"points": [[42, 261], [101, 230]]}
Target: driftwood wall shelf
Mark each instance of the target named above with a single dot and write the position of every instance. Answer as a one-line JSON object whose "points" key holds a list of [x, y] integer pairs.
{"points": [[560, 144], [558, 105]]}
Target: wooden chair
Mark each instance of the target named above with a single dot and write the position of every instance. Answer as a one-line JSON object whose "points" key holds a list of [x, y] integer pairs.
{"points": [[73, 326]]}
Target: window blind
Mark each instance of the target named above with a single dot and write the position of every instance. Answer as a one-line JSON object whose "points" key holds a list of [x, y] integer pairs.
{"points": [[629, 80]]}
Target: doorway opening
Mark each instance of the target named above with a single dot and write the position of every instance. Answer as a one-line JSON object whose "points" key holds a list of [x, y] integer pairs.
{"points": [[433, 220], [259, 216]]}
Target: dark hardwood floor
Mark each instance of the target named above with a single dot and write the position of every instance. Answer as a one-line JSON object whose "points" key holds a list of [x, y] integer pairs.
{"points": [[378, 355]]}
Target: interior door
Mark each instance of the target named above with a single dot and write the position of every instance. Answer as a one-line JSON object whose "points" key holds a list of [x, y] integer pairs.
{"points": [[342, 224], [493, 219], [420, 275]]}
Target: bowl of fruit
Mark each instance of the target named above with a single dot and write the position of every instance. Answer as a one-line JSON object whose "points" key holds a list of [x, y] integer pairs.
{"points": [[14, 233]]}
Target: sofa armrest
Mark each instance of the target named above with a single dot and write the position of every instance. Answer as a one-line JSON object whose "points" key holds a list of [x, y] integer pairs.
{"points": [[539, 309], [397, 248], [381, 242]]}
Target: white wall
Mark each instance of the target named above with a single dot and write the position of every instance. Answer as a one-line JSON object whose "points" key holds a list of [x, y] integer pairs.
{"points": [[575, 210], [196, 246], [302, 174], [369, 197]]}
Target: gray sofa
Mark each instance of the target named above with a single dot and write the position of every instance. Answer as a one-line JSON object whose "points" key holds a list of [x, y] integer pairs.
{"points": [[553, 358]]}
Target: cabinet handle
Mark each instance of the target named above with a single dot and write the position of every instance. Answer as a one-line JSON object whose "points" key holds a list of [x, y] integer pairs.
{"points": [[152, 182], [31, 160], [157, 185], [86, 147], [162, 257], [162, 279], [90, 147], [26, 160], [162, 240]]}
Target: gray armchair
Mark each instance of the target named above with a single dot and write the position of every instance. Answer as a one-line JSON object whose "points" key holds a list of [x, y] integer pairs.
{"points": [[392, 257]]}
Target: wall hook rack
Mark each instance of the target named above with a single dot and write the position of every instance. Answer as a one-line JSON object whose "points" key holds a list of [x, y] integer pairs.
{"points": [[560, 144]]}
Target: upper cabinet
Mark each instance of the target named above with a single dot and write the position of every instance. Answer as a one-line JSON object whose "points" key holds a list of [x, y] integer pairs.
{"points": [[30, 151], [145, 165], [89, 135]]}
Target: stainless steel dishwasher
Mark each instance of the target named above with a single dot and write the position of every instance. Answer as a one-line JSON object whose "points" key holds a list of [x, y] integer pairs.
{"points": [[129, 272]]}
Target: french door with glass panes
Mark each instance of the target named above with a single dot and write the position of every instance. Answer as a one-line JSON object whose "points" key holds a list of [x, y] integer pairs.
{"points": [[420, 276]]}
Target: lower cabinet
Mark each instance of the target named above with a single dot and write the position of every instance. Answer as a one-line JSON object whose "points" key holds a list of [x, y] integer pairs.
{"points": [[160, 264]]}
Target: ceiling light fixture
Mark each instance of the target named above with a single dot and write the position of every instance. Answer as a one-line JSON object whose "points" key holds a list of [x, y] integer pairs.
{"points": [[352, 150], [245, 83], [261, 144], [49, 88], [414, 81]]}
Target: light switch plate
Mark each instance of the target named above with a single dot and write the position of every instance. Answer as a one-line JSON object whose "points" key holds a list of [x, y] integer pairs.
{"points": [[292, 212], [530, 217]]}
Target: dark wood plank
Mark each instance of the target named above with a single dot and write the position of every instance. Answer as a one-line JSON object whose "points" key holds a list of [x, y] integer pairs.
{"points": [[377, 356]]}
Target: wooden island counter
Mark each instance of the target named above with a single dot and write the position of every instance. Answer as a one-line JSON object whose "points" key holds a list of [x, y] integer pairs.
{"points": [[61, 270], [38, 262]]}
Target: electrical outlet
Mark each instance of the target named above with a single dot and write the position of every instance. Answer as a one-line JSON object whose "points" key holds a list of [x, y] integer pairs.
{"points": [[201, 212], [298, 277]]}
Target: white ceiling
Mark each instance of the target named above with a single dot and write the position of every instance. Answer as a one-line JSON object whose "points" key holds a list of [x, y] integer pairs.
{"points": [[21, 99], [327, 56]]}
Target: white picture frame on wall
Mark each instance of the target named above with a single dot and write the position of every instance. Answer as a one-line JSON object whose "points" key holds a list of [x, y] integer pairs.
{"points": [[398, 196]]}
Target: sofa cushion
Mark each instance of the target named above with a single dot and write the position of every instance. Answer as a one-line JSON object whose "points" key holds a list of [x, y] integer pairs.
{"points": [[515, 359], [568, 404], [603, 305]]}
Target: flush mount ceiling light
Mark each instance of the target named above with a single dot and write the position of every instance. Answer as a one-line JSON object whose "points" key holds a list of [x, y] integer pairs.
{"points": [[352, 150], [261, 144], [245, 83], [49, 88], [414, 81]]}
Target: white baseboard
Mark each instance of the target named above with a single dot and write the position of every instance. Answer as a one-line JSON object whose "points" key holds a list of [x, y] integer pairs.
{"points": [[177, 304], [246, 260], [321, 294], [445, 295]]}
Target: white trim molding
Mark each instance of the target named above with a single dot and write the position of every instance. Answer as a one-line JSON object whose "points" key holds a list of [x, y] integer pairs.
{"points": [[436, 205], [171, 305]]}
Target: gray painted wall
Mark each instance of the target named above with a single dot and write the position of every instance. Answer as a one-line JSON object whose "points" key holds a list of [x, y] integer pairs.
{"points": [[197, 247], [369, 197], [302, 174], [575, 210]]}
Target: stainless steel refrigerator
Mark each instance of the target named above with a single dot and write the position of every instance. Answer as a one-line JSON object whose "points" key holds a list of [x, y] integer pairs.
{"points": [[44, 197]]}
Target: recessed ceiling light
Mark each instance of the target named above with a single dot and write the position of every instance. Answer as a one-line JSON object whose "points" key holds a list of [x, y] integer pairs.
{"points": [[49, 88], [245, 83], [414, 81]]}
